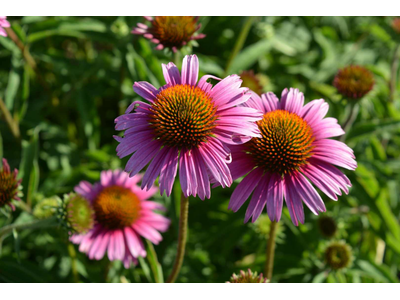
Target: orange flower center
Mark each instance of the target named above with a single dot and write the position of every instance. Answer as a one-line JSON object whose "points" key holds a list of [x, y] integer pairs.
{"points": [[173, 31], [285, 144], [183, 116], [116, 207]]}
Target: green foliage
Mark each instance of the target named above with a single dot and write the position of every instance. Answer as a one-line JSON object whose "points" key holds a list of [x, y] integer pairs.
{"points": [[85, 71]]}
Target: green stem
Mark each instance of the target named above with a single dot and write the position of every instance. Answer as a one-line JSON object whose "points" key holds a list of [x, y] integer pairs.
{"points": [[240, 42], [177, 58], [72, 254], [51, 222], [155, 266], [350, 119], [393, 73], [12, 124], [183, 225], [269, 263]]}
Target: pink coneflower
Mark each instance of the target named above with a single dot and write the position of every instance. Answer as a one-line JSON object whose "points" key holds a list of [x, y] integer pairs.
{"points": [[172, 32], [9, 185], [122, 216], [3, 24], [187, 121], [294, 145]]}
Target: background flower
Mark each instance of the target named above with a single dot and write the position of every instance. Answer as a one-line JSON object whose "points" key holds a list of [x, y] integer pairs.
{"points": [[172, 32], [123, 215]]}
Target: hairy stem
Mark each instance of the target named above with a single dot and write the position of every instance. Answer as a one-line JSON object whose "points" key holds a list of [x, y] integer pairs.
{"points": [[269, 263], [51, 222], [74, 269], [12, 124], [350, 120], [183, 226]]}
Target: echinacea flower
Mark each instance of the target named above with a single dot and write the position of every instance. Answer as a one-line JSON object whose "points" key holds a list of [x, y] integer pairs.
{"points": [[294, 146], [251, 81], [248, 277], [3, 24], [122, 216], [338, 255], [9, 185], [354, 82], [186, 122], [172, 32]]}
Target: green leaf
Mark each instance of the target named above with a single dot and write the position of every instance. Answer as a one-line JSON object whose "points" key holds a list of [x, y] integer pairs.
{"points": [[248, 56], [379, 273], [12, 88], [154, 264], [29, 168], [11, 271], [366, 129], [145, 269]]}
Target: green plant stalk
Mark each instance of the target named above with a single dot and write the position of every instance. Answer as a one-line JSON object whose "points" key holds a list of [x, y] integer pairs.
{"points": [[12, 124], [240, 42], [350, 120], [269, 263], [393, 73], [157, 277], [183, 226], [51, 222], [30, 61], [72, 255]]}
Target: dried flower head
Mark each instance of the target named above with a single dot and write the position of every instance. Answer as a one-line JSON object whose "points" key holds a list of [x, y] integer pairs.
{"points": [[248, 277], [396, 24], [10, 186], [338, 255], [172, 32], [354, 82], [327, 226], [251, 81]]}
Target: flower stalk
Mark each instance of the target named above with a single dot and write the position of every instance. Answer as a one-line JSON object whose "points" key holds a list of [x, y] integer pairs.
{"points": [[240, 41], [183, 227], [12, 124], [269, 264]]}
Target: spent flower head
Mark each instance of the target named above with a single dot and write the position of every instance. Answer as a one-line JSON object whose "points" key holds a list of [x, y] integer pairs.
{"points": [[10, 186], [338, 255], [327, 226], [354, 82], [171, 32], [247, 277], [396, 24]]}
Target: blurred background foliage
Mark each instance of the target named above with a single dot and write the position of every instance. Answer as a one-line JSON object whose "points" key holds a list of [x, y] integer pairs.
{"points": [[65, 107]]}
